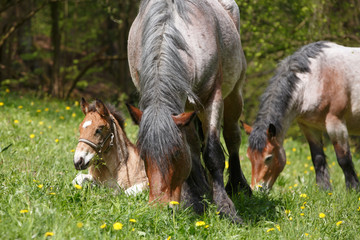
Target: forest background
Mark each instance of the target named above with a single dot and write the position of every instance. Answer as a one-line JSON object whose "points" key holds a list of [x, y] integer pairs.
{"points": [[72, 48]]}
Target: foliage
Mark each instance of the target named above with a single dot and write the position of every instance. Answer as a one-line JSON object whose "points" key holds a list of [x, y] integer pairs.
{"points": [[39, 200]]}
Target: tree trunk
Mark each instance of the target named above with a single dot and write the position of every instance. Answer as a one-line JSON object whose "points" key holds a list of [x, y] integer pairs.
{"points": [[56, 81]]}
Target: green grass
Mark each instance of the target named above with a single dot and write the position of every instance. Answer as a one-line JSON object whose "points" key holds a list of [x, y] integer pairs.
{"points": [[36, 175]]}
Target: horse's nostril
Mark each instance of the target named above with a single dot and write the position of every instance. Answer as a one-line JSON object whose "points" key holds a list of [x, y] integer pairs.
{"points": [[80, 163]]}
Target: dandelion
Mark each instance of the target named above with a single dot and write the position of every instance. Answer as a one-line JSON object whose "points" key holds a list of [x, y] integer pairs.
{"points": [[287, 212], [73, 114], [118, 226], [174, 203], [78, 186], [30, 121], [35, 181], [52, 193], [308, 158], [311, 168], [306, 165], [259, 186], [330, 194], [294, 149], [302, 214], [38, 111], [200, 223], [324, 149], [303, 195], [270, 229], [226, 164], [103, 226], [339, 223], [16, 121], [1, 104], [207, 226], [302, 207], [41, 123], [358, 209], [24, 211], [56, 140], [7, 90], [169, 237], [306, 234], [32, 103], [72, 150], [46, 109], [132, 220], [322, 215], [217, 213], [76, 103], [49, 234], [295, 185], [32, 135], [62, 117], [79, 224], [49, 127], [305, 172], [290, 187], [125, 124], [278, 228], [20, 107], [333, 163], [40, 186], [67, 108], [290, 218], [288, 162]]}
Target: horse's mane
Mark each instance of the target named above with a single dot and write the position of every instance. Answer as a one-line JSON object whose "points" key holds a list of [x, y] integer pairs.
{"points": [[164, 79], [274, 102], [117, 114]]}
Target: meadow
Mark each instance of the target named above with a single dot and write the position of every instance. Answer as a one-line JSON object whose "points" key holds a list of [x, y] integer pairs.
{"points": [[38, 200]]}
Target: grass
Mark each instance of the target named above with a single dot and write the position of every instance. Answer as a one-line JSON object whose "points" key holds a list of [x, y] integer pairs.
{"points": [[38, 199]]}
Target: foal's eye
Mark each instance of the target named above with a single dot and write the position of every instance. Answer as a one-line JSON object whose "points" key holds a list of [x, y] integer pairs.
{"points": [[99, 130], [268, 158]]}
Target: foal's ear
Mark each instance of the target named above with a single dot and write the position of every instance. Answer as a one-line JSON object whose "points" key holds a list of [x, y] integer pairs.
{"points": [[84, 106], [271, 131], [183, 119], [135, 113], [248, 129], [101, 108]]}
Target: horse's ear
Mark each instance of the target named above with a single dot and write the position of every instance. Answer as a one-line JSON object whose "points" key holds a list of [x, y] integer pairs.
{"points": [[135, 113], [101, 108], [271, 131], [84, 106], [246, 127], [183, 119]]}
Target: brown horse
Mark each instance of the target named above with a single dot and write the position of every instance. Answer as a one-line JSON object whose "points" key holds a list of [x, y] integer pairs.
{"points": [[187, 55], [119, 165], [319, 86]]}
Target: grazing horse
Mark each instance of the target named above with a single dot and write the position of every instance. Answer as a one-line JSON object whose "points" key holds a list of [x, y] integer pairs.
{"points": [[119, 165], [186, 55], [319, 86]]}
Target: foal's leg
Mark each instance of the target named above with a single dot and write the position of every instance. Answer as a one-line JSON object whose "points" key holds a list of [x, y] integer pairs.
{"points": [[214, 157], [314, 138], [232, 135], [338, 134]]}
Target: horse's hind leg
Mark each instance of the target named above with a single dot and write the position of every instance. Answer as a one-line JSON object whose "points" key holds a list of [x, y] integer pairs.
{"points": [[214, 157], [232, 135], [314, 138], [339, 136]]}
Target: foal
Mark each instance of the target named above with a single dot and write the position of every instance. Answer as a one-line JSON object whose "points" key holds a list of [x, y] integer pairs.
{"points": [[119, 165]]}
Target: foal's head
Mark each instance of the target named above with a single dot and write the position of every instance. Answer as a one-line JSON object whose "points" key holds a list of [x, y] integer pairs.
{"points": [[266, 162], [96, 133]]}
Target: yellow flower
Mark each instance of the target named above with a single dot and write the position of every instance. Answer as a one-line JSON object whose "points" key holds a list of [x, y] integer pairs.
{"points": [[76, 103], [49, 127], [67, 108], [217, 213], [132, 220], [302, 207], [295, 185], [1, 104], [311, 168], [288, 162], [73, 115], [302, 214], [359, 198], [103, 226], [200, 223], [125, 124], [20, 107], [79, 224], [16, 121], [38, 110], [294, 149], [29, 120], [306, 234], [287, 212], [35, 181], [78, 186], [32, 103], [303, 195], [52, 193], [32, 135], [46, 109], [62, 117], [259, 186], [358, 209], [57, 110], [290, 218], [174, 203], [117, 226], [308, 157], [72, 150], [322, 215], [290, 187], [24, 211], [278, 227], [226, 164], [305, 172], [339, 223], [49, 234], [270, 229], [169, 237], [306, 165], [56, 140], [40, 186], [207, 226], [41, 123]]}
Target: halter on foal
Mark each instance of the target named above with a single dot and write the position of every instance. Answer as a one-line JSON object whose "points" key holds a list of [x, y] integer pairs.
{"points": [[119, 164]]}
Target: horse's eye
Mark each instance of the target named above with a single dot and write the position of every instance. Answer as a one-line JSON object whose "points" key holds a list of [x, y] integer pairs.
{"points": [[99, 130], [268, 158]]}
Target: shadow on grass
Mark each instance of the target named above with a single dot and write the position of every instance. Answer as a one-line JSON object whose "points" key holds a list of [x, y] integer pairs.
{"points": [[259, 207]]}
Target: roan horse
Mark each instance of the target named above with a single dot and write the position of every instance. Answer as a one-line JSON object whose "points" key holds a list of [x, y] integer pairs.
{"points": [[187, 55], [119, 165], [319, 86]]}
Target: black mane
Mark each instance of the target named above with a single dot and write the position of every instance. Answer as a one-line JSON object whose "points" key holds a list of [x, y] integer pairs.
{"points": [[275, 100]]}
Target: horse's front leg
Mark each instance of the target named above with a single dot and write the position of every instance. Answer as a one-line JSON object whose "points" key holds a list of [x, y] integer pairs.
{"points": [[214, 157], [338, 134], [82, 179]]}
